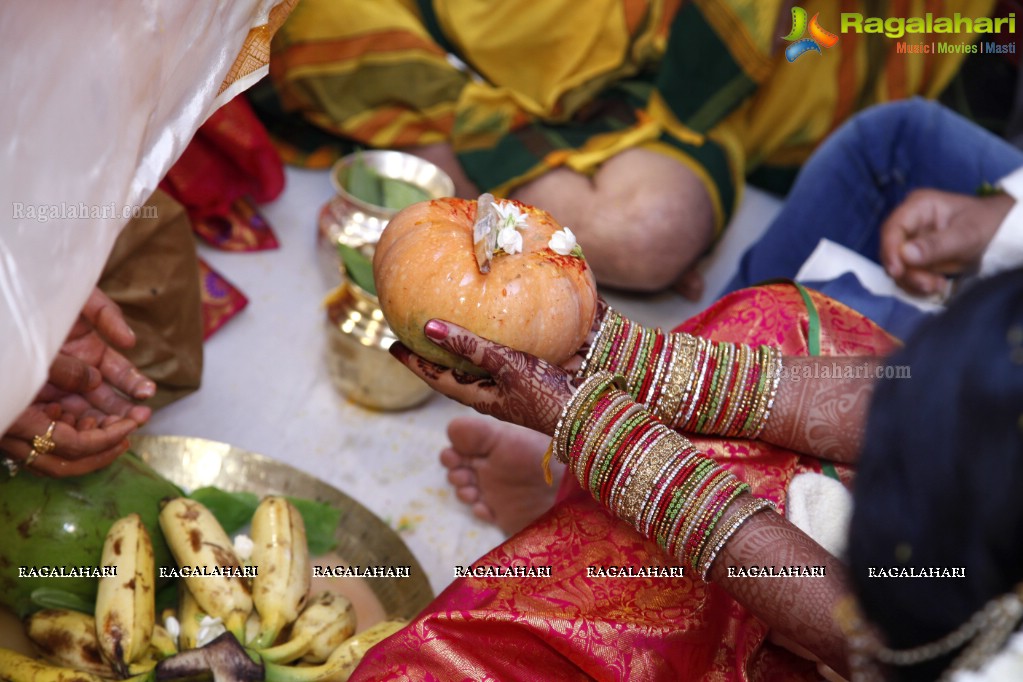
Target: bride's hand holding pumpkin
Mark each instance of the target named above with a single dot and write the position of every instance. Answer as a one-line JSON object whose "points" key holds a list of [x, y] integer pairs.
{"points": [[521, 389]]}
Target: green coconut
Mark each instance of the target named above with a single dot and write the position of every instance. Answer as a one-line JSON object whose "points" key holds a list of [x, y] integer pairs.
{"points": [[49, 522]]}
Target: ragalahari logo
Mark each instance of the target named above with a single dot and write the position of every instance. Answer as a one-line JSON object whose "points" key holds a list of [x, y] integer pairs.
{"points": [[819, 37]]}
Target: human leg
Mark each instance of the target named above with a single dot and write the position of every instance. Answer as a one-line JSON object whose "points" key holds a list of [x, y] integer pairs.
{"points": [[866, 169], [642, 220]]}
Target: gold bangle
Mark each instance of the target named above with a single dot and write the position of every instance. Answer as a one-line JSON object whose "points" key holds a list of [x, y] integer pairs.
{"points": [[679, 375], [591, 385], [722, 534], [765, 402], [637, 492]]}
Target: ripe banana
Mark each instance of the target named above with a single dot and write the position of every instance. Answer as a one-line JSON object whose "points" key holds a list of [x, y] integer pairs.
{"points": [[125, 606], [198, 541], [342, 661], [18, 668], [165, 641], [326, 622], [333, 624], [68, 638], [281, 555]]}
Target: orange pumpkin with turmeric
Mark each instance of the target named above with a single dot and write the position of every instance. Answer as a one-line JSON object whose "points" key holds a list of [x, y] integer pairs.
{"points": [[536, 301]]}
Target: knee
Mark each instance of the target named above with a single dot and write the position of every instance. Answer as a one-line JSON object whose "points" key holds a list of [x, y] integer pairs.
{"points": [[647, 241], [913, 108], [899, 119]]}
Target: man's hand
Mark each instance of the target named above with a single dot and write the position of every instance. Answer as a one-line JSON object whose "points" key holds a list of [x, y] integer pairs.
{"points": [[89, 397], [934, 234], [83, 443], [100, 330]]}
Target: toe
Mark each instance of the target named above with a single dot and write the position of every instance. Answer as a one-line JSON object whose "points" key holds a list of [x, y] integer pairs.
{"points": [[462, 477], [483, 512], [472, 436], [451, 459], [468, 494]]}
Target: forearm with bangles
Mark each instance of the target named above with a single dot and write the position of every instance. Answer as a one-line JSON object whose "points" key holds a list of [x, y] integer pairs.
{"points": [[651, 477], [655, 480], [689, 383], [735, 390]]}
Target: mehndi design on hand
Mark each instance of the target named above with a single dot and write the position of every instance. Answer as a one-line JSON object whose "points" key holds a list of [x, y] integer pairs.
{"points": [[521, 388]]}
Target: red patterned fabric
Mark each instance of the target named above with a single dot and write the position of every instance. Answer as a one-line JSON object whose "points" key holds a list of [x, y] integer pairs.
{"points": [[573, 627], [242, 228], [221, 300], [228, 165], [229, 158]]}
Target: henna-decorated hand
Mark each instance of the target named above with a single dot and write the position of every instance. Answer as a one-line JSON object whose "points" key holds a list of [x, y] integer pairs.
{"points": [[521, 389]]}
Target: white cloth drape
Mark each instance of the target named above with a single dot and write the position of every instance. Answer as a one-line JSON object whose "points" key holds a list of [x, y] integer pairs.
{"points": [[98, 101]]}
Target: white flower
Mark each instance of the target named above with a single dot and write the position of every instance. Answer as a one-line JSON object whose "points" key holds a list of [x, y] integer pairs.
{"points": [[209, 629], [511, 215], [562, 242], [173, 627], [243, 547], [509, 240]]}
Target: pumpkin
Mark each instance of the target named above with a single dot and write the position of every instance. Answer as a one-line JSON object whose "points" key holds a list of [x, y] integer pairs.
{"points": [[536, 301]]}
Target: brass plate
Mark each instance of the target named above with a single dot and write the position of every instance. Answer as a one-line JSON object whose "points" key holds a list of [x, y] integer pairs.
{"points": [[363, 538]]}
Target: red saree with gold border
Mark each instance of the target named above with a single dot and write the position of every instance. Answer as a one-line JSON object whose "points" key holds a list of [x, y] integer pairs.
{"points": [[574, 627]]}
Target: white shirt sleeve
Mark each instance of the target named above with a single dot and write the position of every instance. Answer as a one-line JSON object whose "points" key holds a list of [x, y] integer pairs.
{"points": [[1005, 251]]}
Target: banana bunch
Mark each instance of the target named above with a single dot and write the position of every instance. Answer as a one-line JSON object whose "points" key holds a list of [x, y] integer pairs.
{"points": [[234, 612], [276, 600], [325, 624], [342, 661]]}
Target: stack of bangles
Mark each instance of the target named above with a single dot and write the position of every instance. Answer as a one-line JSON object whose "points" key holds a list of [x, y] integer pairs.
{"points": [[649, 476], [688, 383]]}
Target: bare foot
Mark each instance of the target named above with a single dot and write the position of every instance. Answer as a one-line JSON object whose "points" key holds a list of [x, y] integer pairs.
{"points": [[496, 469]]}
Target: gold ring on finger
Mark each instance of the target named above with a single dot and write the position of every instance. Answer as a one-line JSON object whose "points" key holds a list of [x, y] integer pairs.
{"points": [[44, 445]]}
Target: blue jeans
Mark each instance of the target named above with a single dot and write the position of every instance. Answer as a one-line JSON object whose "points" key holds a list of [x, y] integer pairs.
{"points": [[862, 172]]}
